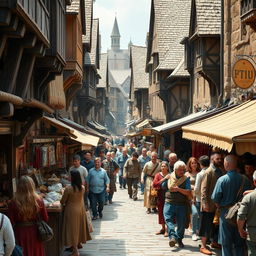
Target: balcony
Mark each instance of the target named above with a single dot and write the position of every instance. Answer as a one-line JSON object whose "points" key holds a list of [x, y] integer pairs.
{"points": [[35, 13], [248, 12]]}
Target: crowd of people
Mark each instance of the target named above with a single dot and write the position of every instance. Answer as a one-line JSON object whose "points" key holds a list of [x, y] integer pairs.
{"points": [[195, 195]]}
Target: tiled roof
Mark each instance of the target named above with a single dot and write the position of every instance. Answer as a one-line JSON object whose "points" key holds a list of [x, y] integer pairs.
{"points": [[88, 21], [90, 58], [208, 13], [179, 71], [103, 71], [74, 7], [138, 60], [172, 24]]}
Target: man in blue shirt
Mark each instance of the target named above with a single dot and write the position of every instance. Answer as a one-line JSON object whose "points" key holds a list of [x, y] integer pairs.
{"points": [[87, 162], [225, 195], [98, 182], [121, 162]]}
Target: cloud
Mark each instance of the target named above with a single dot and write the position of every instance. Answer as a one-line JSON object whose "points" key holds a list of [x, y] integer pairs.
{"points": [[132, 16]]}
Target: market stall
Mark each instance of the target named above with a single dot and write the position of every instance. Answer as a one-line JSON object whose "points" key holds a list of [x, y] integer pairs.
{"points": [[45, 156]]}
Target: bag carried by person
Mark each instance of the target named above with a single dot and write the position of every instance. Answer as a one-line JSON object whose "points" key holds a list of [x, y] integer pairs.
{"points": [[153, 192], [231, 214], [17, 251], [45, 232]]}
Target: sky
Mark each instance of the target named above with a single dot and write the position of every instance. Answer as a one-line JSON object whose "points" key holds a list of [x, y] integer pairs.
{"points": [[132, 17]]}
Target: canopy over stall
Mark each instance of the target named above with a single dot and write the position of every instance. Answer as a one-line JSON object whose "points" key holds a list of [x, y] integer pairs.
{"points": [[81, 137], [223, 130]]}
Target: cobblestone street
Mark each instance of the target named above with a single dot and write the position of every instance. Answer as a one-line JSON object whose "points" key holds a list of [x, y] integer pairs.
{"points": [[126, 230]]}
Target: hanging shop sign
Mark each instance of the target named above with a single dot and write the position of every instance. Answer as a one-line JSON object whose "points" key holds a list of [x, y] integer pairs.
{"points": [[243, 73]]}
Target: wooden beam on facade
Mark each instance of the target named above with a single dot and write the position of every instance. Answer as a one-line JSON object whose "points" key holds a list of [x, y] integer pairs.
{"points": [[5, 16], [11, 66]]}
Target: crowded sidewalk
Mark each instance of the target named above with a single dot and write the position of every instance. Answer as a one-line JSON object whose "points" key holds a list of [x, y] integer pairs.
{"points": [[126, 230]]}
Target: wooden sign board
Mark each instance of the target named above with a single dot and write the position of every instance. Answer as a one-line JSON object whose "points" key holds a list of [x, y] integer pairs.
{"points": [[243, 73]]}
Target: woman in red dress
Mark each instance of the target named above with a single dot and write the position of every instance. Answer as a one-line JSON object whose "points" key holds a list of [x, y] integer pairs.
{"points": [[24, 210], [157, 184]]}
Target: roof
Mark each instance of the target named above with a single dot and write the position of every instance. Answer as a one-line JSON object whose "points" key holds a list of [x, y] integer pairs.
{"points": [[223, 130], [138, 65], [179, 71], [208, 17], [103, 71], [88, 17], [194, 117], [174, 30], [115, 30], [120, 75], [171, 25], [90, 58], [74, 7]]}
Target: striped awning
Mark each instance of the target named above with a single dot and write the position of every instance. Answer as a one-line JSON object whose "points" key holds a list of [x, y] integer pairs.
{"points": [[235, 126]]}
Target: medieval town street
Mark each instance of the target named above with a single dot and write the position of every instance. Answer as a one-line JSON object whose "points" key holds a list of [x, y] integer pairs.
{"points": [[126, 230]]}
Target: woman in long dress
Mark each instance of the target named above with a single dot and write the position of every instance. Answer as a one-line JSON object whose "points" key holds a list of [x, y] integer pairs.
{"points": [[157, 184], [24, 210], [75, 227]]}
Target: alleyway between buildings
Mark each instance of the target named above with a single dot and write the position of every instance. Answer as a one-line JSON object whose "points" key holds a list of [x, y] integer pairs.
{"points": [[126, 230]]}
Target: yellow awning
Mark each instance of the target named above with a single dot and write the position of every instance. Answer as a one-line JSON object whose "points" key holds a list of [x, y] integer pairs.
{"points": [[234, 126], [81, 137]]}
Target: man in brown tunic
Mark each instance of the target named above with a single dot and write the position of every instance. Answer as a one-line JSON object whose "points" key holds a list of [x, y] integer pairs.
{"points": [[132, 173], [150, 170], [112, 169], [208, 207]]}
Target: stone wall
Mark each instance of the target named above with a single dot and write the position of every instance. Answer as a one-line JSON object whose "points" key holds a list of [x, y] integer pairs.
{"points": [[239, 40]]}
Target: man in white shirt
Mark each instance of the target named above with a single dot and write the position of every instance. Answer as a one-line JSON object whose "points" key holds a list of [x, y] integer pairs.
{"points": [[77, 166]]}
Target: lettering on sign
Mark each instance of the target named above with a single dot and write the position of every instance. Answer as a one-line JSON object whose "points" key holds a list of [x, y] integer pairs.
{"points": [[243, 73]]}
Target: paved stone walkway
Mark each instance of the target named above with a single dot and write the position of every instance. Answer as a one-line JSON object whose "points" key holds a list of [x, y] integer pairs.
{"points": [[126, 230]]}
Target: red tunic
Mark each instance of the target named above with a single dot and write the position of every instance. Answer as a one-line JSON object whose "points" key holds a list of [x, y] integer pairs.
{"points": [[160, 197], [26, 236]]}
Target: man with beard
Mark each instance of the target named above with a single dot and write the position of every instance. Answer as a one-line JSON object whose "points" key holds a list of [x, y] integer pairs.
{"points": [[208, 207]]}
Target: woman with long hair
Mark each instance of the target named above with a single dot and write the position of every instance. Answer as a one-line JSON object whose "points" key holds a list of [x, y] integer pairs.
{"points": [[193, 168], [75, 227], [24, 210], [157, 184]]}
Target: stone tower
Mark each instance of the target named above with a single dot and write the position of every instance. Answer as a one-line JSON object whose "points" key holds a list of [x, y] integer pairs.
{"points": [[115, 37]]}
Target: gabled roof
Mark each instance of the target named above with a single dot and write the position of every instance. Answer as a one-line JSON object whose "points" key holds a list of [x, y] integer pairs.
{"points": [[120, 75], [170, 21], [115, 30], [74, 8], [138, 63], [90, 58], [103, 71], [206, 15], [88, 17], [114, 84], [179, 71]]}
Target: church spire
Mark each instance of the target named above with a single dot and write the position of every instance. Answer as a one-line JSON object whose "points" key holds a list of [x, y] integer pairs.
{"points": [[115, 37]]}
